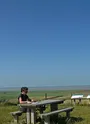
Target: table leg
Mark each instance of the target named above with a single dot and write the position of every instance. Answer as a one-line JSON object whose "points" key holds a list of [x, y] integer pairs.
{"points": [[53, 108], [47, 120], [74, 101], [79, 101], [33, 116], [28, 116]]}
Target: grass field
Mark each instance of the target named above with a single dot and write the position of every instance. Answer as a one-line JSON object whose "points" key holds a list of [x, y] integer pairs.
{"points": [[80, 114]]}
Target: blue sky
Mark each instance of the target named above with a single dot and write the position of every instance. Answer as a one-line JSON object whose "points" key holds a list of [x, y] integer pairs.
{"points": [[44, 42]]}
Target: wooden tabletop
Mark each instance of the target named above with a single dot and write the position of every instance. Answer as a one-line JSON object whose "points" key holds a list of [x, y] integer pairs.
{"points": [[43, 102]]}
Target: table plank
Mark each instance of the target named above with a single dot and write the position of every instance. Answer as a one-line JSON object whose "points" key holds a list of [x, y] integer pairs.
{"points": [[44, 102]]}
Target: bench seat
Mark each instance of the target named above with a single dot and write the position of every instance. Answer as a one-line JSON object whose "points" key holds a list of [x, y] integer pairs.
{"points": [[46, 116], [16, 115]]}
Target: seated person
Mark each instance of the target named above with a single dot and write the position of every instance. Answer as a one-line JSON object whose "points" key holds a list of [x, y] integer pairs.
{"points": [[23, 97]]}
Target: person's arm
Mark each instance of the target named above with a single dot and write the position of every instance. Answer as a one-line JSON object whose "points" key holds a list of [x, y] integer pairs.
{"points": [[20, 101]]}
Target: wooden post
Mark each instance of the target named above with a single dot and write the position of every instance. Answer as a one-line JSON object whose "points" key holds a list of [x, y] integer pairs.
{"points": [[74, 101], [79, 100], [68, 114], [45, 95], [16, 119], [47, 120], [41, 110], [28, 116], [33, 116]]}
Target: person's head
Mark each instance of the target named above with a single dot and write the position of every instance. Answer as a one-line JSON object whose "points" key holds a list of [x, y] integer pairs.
{"points": [[24, 90]]}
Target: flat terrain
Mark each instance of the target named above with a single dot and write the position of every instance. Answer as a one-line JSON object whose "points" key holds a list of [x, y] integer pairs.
{"points": [[80, 114]]}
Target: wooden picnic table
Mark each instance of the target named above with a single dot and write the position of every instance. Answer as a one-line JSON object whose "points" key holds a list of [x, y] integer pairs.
{"points": [[31, 108]]}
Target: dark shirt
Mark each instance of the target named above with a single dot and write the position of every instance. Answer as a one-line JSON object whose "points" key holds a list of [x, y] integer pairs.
{"points": [[24, 97]]}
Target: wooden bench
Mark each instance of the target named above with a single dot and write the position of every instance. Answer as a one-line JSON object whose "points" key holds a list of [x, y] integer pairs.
{"points": [[16, 115], [46, 116]]}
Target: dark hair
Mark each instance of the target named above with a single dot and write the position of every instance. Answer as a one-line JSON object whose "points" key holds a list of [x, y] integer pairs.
{"points": [[24, 88]]}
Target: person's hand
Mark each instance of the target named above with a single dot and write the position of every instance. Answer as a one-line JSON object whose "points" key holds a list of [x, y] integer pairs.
{"points": [[33, 100], [28, 102]]}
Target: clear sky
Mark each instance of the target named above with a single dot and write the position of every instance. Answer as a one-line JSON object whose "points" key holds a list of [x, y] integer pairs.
{"points": [[44, 42]]}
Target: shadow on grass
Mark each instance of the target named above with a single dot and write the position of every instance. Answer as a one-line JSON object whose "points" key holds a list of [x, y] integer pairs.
{"points": [[64, 120], [61, 120]]}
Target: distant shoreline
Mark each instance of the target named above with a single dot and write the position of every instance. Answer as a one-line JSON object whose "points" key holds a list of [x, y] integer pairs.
{"points": [[73, 87]]}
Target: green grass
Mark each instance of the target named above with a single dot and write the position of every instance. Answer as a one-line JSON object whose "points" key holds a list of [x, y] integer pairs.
{"points": [[5, 116], [41, 94], [80, 114]]}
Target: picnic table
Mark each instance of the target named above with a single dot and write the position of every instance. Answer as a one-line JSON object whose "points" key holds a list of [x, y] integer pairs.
{"points": [[31, 108], [78, 97]]}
